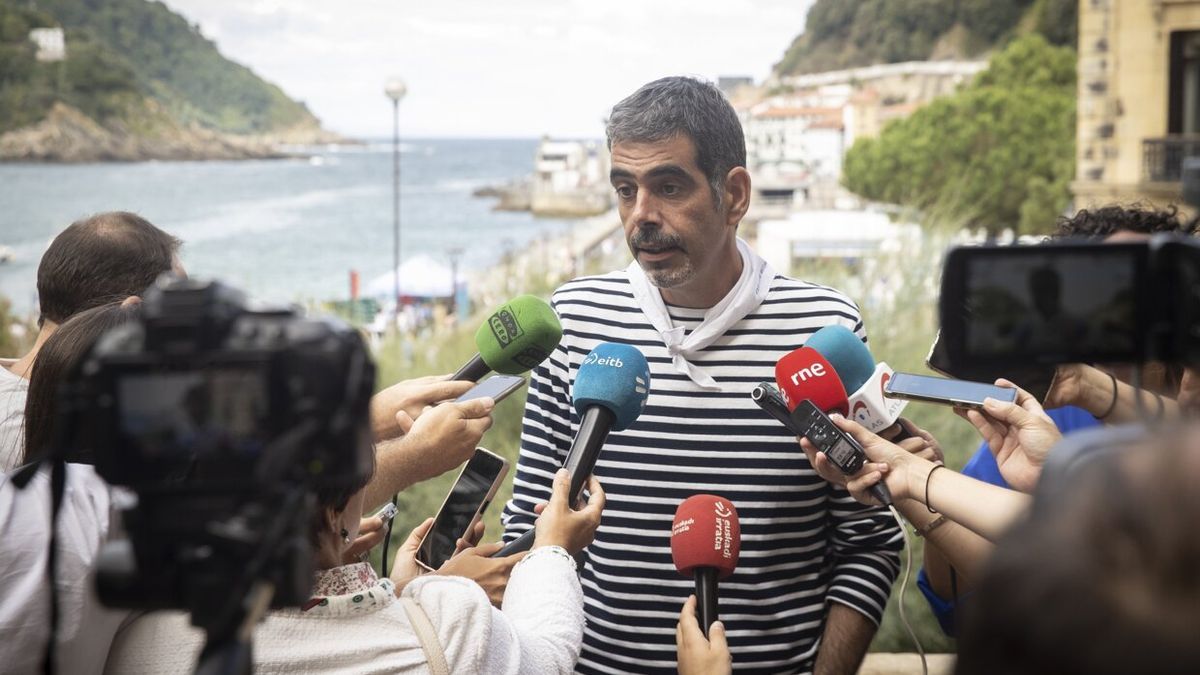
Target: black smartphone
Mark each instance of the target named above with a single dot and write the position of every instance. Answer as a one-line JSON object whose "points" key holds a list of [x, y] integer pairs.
{"points": [[958, 393], [496, 386], [464, 506], [1035, 379]]}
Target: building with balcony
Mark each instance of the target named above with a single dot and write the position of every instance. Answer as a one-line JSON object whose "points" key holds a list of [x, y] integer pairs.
{"points": [[1139, 99]]}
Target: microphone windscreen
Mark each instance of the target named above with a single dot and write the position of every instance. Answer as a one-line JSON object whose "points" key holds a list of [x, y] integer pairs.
{"points": [[804, 374], [617, 377], [846, 352], [705, 533], [519, 335]]}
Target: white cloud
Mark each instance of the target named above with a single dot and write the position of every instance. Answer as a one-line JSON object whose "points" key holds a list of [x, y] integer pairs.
{"points": [[486, 68]]}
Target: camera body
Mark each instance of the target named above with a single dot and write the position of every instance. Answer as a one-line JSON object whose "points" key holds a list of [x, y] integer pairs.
{"points": [[222, 420], [1072, 301]]}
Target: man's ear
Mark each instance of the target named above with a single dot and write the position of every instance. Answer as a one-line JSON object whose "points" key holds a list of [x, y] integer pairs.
{"points": [[131, 300], [737, 195]]}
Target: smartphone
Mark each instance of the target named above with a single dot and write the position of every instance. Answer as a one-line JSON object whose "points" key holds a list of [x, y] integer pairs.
{"points": [[958, 393], [496, 386], [464, 506], [1035, 379]]}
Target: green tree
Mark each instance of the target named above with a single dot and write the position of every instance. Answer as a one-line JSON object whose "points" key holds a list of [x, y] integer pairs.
{"points": [[998, 154]]}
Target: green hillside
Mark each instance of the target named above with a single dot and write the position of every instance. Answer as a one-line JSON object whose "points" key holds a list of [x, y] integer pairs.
{"points": [[121, 53], [850, 33]]}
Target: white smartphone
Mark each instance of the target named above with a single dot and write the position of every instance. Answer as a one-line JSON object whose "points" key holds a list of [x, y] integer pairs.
{"points": [[464, 506], [496, 386], [958, 393]]}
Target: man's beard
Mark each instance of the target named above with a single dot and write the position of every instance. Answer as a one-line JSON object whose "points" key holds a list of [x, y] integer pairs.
{"points": [[662, 277]]}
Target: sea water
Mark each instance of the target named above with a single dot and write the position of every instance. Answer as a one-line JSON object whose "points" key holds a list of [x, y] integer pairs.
{"points": [[284, 230]]}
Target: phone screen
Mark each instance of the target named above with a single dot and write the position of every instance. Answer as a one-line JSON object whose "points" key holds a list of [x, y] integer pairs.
{"points": [[496, 387], [1033, 378], [949, 391], [469, 496]]}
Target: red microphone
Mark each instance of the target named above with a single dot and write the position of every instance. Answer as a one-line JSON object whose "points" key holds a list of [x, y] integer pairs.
{"points": [[804, 374], [705, 542]]}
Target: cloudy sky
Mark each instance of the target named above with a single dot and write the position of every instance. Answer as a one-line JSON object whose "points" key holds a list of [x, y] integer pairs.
{"points": [[490, 67]]}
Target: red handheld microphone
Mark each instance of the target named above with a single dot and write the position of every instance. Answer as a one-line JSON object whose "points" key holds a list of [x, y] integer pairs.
{"points": [[804, 374], [705, 542]]}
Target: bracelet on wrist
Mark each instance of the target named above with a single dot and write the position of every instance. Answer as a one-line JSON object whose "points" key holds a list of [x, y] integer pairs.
{"points": [[1113, 405], [550, 550], [929, 476], [931, 525]]}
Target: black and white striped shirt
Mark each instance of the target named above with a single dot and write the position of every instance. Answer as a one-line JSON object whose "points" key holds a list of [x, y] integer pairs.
{"points": [[804, 542]]}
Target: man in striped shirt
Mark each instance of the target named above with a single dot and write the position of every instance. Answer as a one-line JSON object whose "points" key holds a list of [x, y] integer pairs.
{"points": [[712, 319]]}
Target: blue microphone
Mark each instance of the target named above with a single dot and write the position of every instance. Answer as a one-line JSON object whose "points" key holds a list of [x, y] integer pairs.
{"points": [[845, 351], [610, 393], [862, 378]]}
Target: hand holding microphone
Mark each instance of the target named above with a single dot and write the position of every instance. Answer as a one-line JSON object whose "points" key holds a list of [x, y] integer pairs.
{"points": [[558, 524], [609, 393], [700, 655]]}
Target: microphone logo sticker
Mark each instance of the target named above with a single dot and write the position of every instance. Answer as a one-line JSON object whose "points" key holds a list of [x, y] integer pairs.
{"points": [[805, 374], [504, 326], [861, 413], [611, 361], [723, 530], [682, 526]]}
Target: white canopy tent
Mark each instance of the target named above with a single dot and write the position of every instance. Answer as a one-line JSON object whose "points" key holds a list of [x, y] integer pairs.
{"points": [[420, 277]]}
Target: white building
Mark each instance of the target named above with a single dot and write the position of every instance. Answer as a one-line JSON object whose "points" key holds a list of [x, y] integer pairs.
{"points": [[844, 235], [570, 178], [794, 144], [51, 43]]}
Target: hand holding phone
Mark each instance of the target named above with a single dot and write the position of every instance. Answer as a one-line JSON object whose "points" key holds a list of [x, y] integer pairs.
{"points": [[957, 393], [497, 387], [464, 506]]}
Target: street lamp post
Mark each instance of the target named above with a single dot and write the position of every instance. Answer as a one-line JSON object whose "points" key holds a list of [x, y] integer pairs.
{"points": [[454, 253], [395, 90]]}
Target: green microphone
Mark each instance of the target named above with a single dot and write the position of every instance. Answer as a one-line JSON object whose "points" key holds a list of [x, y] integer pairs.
{"points": [[516, 337]]}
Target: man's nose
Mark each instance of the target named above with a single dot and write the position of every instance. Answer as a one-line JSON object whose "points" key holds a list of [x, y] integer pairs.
{"points": [[645, 209]]}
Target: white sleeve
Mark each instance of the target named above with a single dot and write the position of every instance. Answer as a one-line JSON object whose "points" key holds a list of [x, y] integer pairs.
{"points": [[540, 629]]}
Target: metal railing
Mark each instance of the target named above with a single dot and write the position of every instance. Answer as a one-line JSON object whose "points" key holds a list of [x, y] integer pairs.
{"points": [[1162, 158]]}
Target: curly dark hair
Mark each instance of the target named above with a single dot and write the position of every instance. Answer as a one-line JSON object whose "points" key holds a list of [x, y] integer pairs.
{"points": [[1108, 220]]}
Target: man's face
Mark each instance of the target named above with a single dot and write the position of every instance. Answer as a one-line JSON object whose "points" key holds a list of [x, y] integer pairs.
{"points": [[672, 225]]}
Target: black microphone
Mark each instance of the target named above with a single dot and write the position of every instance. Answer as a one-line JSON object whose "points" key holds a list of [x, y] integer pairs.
{"points": [[610, 392], [516, 337]]}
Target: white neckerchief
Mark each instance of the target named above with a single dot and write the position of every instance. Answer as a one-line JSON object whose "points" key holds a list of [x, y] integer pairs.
{"points": [[745, 296]]}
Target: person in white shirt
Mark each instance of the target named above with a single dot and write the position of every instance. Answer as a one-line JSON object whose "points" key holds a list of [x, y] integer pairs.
{"points": [[439, 624]]}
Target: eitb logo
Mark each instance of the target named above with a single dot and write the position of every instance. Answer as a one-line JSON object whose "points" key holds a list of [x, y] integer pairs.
{"points": [[504, 326]]}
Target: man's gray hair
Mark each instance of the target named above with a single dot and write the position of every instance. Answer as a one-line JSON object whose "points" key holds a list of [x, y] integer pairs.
{"points": [[665, 108]]}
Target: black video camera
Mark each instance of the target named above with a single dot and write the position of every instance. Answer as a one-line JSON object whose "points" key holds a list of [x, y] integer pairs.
{"points": [[223, 420], [1072, 301]]}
